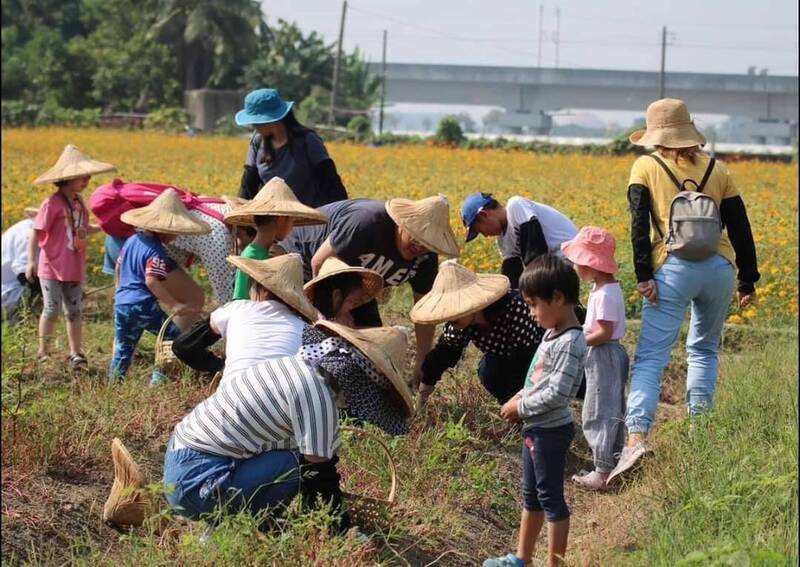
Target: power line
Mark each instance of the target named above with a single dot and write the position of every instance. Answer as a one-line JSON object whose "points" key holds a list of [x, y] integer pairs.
{"points": [[501, 43], [680, 25]]}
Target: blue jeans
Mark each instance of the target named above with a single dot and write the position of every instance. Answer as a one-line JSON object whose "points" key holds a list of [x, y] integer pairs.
{"points": [[544, 458], [130, 321], [707, 287], [112, 246], [199, 483]]}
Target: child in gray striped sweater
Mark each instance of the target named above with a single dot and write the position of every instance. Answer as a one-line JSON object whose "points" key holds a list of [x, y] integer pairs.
{"points": [[550, 287]]}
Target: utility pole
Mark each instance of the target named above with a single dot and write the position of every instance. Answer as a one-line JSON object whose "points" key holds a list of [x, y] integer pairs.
{"points": [[663, 59], [558, 32], [541, 33], [331, 117], [383, 84]]}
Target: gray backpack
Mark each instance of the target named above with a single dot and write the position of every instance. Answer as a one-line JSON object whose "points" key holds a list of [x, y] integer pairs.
{"points": [[695, 225]]}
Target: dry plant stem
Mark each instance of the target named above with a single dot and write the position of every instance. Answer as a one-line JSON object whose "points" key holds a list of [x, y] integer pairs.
{"points": [[448, 552]]}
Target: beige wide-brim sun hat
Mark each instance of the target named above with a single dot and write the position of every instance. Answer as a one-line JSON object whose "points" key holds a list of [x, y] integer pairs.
{"points": [[386, 347], [458, 292], [281, 275], [72, 164], [668, 125], [371, 281], [427, 221], [167, 215], [275, 199], [30, 212]]}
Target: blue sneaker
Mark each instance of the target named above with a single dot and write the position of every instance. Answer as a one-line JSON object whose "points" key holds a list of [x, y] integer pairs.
{"points": [[510, 560], [158, 377]]}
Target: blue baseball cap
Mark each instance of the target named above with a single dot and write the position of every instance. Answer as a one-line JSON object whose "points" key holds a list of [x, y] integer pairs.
{"points": [[470, 208], [263, 106]]}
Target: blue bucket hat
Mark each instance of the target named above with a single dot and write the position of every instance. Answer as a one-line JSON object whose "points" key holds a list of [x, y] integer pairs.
{"points": [[263, 106], [470, 208]]}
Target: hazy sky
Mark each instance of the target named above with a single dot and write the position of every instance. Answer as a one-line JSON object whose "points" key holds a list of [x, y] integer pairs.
{"points": [[705, 36], [714, 36]]}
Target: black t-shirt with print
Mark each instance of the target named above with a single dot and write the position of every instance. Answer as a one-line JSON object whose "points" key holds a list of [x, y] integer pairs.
{"points": [[363, 234]]}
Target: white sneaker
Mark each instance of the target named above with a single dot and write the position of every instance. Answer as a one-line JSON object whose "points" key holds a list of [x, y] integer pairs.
{"points": [[627, 459], [205, 537]]}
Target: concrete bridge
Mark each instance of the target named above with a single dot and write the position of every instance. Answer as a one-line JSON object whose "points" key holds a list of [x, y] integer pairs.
{"points": [[528, 95]]}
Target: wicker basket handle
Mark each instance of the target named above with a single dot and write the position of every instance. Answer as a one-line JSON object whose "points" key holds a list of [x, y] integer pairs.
{"points": [[389, 460], [163, 331]]}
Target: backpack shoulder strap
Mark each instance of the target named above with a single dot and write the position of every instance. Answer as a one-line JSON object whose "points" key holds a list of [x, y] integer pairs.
{"points": [[667, 170], [706, 176]]}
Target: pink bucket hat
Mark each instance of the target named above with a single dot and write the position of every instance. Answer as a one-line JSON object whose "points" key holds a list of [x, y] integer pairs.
{"points": [[593, 247]]}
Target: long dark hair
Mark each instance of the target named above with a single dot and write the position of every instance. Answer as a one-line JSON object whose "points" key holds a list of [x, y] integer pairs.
{"points": [[323, 291], [293, 130]]}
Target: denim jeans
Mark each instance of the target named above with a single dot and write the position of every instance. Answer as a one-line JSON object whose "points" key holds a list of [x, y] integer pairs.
{"points": [[202, 483], [112, 246], [544, 458], [707, 287], [130, 322]]}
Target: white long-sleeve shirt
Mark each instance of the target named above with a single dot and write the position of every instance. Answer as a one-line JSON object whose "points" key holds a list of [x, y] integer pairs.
{"points": [[15, 260]]}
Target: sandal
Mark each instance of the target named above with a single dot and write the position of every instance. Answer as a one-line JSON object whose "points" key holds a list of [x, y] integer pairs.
{"points": [[78, 361]]}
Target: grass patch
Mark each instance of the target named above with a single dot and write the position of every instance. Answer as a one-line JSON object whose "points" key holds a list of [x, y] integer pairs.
{"points": [[724, 492]]}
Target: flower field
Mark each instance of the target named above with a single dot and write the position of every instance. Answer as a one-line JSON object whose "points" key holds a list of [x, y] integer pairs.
{"points": [[590, 189]]}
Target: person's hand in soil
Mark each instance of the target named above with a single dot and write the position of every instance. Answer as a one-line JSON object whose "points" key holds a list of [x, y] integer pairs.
{"points": [[423, 393]]}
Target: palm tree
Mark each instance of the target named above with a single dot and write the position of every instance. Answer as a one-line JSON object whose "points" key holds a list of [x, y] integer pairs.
{"points": [[213, 39]]}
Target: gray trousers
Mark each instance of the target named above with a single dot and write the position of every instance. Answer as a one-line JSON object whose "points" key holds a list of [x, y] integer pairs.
{"points": [[604, 405]]}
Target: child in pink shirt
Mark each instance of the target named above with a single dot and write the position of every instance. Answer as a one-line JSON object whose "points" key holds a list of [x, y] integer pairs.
{"points": [[60, 231], [592, 254]]}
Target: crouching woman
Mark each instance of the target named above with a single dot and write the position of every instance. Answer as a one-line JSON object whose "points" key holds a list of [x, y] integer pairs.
{"points": [[271, 432]]}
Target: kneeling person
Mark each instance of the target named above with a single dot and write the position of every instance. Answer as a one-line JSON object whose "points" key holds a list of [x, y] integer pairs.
{"points": [[483, 309], [271, 431], [143, 268], [268, 325]]}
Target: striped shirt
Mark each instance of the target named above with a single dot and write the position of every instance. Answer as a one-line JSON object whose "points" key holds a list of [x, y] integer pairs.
{"points": [[281, 403], [553, 380]]}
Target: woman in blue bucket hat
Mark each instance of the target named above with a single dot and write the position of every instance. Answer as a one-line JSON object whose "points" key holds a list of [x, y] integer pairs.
{"points": [[282, 147]]}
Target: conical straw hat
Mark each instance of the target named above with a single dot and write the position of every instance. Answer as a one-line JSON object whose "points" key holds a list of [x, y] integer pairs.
{"points": [[458, 292], [128, 503], [281, 275], [166, 214], [72, 164], [275, 199], [386, 347], [234, 202], [30, 212], [428, 222], [371, 281]]}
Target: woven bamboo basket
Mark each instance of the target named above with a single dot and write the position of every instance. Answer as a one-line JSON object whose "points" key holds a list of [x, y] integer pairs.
{"points": [[368, 511], [165, 358]]}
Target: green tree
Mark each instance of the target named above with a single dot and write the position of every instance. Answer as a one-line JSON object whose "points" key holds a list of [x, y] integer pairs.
{"points": [[132, 73], [292, 62], [358, 89], [212, 39], [449, 131]]}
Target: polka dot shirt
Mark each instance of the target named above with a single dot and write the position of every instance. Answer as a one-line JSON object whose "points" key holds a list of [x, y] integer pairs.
{"points": [[210, 250], [512, 332]]}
